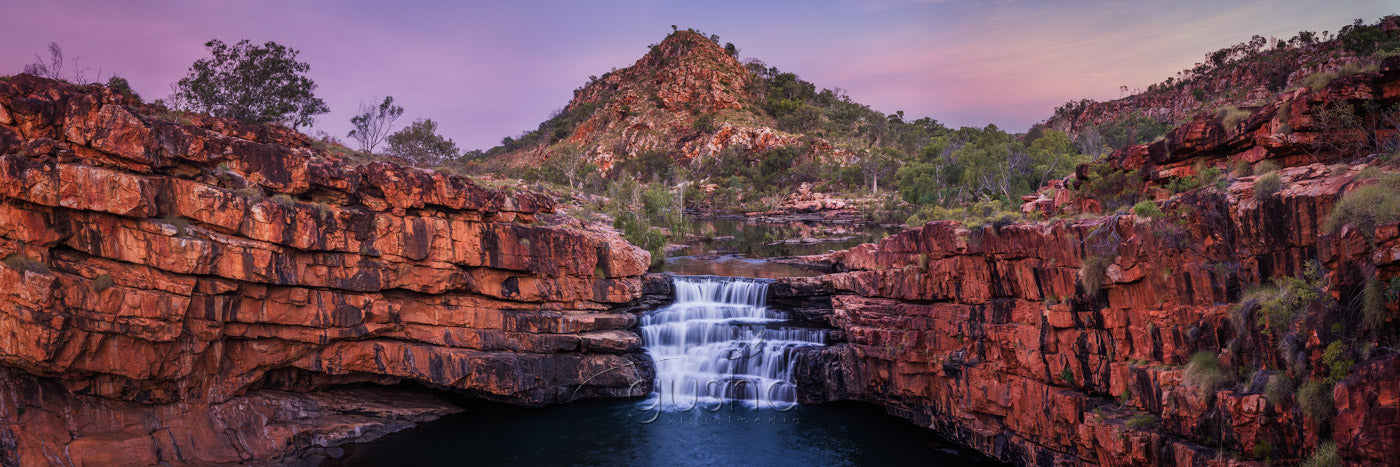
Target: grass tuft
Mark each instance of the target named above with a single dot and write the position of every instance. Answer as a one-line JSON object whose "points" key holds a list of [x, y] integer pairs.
{"points": [[1205, 373], [1267, 186], [102, 282], [1367, 207], [1094, 273]]}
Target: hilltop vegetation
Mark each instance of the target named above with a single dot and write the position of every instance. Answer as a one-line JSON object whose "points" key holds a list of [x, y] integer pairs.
{"points": [[729, 137], [691, 128], [1229, 82]]}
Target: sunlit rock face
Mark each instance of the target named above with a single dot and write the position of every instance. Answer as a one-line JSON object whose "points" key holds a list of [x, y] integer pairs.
{"points": [[159, 265], [990, 335]]}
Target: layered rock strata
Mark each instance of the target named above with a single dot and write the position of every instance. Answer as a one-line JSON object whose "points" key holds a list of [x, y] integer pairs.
{"points": [[1000, 338], [158, 264]]}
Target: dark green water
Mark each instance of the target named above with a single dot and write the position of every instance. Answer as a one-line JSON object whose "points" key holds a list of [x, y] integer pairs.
{"points": [[618, 433]]}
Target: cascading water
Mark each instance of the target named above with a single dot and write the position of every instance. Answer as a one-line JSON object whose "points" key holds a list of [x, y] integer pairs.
{"points": [[719, 342]]}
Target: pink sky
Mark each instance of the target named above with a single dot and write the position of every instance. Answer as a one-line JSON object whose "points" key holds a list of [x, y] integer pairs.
{"points": [[493, 69]]}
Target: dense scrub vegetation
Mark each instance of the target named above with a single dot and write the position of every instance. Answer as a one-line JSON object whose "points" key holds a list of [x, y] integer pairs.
{"points": [[1227, 79]]}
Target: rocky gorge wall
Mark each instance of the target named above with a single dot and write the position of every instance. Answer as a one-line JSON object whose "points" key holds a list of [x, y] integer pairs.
{"points": [[184, 289], [996, 338]]}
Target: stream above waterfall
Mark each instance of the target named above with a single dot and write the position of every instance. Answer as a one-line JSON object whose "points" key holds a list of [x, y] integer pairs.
{"points": [[741, 247]]}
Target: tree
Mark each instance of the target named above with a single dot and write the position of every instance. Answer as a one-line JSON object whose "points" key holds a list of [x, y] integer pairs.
{"points": [[254, 84], [881, 162], [420, 144], [121, 86], [373, 123], [52, 68], [573, 163]]}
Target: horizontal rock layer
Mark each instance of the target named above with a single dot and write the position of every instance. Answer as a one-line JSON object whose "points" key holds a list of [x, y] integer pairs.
{"points": [[159, 263], [990, 336]]}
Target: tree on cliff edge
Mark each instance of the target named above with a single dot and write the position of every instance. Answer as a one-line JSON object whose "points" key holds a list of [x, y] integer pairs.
{"points": [[373, 124], [254, 84], [421, 145]]}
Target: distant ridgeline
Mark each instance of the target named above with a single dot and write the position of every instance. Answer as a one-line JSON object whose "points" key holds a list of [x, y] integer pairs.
{"points": [[1230, 82]]}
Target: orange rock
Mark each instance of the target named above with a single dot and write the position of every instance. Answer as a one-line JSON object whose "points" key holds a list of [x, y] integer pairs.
{"points": [[162, 284]]}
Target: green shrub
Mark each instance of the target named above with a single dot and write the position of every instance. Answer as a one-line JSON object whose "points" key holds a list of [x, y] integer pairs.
{"points": [[1067, 375], [1337, 358], [23, 263], [1147, 208], [1267, 186], [1141, 421], [1286, 299], [1325, 456], [1266, 166], [1093, 273], [1317, 81], [1205, 176], [1373, 304], [1231, 116], [1240, 168], [1262, 449], [121, 86], [284, 199], [252, 192], [1278, 389], [1111, 187], [323, 211], [979, 214], [1204, 372], [102, 282], [1367, 207], [1315, 400]]}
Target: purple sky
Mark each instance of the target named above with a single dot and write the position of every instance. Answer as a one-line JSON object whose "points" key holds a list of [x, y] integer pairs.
{"points": [[486, 70]]}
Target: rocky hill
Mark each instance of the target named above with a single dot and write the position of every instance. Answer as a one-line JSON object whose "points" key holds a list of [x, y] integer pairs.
{"points": [[184, 289], [687, 97], [1231, 82]]}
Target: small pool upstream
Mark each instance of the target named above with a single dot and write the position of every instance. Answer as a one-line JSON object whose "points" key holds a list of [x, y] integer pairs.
{"points": [[741, 248]]}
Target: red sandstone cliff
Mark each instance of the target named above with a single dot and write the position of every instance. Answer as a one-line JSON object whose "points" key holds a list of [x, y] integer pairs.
{"points": [[165, 286], [993, 337]]}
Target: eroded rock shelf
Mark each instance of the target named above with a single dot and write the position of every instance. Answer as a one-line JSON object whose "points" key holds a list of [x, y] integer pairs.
{"points": [[173, 274]]}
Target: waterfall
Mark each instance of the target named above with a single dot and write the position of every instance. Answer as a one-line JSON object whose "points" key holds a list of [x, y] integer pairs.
{"points": [[719, 343]]}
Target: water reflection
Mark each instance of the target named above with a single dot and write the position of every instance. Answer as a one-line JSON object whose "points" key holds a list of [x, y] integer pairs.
{"points": [[610, 433]]}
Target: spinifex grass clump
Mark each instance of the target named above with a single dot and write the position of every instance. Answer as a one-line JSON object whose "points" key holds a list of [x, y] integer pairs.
{"points": [[1267, 186], [1369, 206], [1205, 373]]}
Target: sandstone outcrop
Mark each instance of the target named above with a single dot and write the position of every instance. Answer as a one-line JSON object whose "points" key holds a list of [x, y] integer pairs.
{"points": [[1066, 341], [806, 200], [1239, 84], [159, 265]]}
